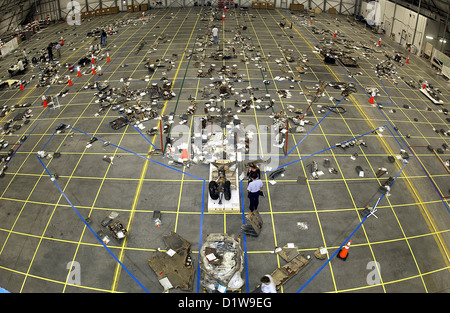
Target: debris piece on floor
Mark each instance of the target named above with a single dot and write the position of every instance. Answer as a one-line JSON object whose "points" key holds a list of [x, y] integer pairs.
{"points": [[321, 253], [108, 159], [253, 224], [118, 230], [386, 186], [157, 218], [360, 171], [288, 252], [381, 171], [103, 237], [227, 269], [302, 225], [118, 123], [174, 269], [276, 173], [282, 274]]}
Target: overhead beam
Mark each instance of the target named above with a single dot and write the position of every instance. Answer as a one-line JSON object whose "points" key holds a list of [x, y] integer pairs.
{"points": [[425, 12]]}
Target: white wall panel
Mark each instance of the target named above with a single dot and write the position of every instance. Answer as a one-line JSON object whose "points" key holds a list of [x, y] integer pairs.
{"points": [[402, 26]]}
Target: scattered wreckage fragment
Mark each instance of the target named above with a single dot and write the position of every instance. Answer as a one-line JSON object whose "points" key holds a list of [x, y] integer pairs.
{"points": [[174, 267], [221, 262], [253, 224]]}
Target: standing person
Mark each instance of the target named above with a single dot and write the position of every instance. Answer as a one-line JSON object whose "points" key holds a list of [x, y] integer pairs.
{"points": [[103, 38], [252, 168], [50, 52], [215, 33], [21, 66], [25, 55], [58, 50], [267, 284], [254, 189]]}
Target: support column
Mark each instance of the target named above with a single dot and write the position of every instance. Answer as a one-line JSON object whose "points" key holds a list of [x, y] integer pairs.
{"points": [[417, 21], [393, 19], [59, 8]]}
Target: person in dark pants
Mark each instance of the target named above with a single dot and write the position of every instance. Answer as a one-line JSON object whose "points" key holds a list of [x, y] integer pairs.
{"points": [[103, 38], [252, 168], [254, 190], [50, 52]]}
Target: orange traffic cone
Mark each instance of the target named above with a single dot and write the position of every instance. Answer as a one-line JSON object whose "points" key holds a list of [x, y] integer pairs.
{"points": [[62, 40], [407, 59], [335, 33], [223, 17], [379, 42], [310, 21], [371, 100], [21, 86], [343, 253], [44, 100], [70, 82], [79, 73], [143, 15], [184, 153], [92, 59], [107, 57], [93, 70]]}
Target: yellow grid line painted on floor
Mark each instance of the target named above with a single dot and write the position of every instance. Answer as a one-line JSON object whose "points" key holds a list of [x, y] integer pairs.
{"points": [[55, 206], [344, 180], [388, 200], [187, 212], [184, 166], [388, 147], [74, 242], [415, 194], [144, 170], [123, 134], [309, 188], [262, 152]]}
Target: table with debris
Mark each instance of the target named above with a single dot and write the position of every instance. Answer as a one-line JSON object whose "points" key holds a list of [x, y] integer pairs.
{"points": [[222, 204]]}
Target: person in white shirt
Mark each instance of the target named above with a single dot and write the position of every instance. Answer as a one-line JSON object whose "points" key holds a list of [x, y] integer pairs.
{"points": [[58, 49], [254, 190], [215, 33], [20, 66], [267, 284]]}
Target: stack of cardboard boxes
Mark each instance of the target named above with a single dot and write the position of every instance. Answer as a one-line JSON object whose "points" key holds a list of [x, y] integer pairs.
{"points": [[137, 7], [105, 11], [263, 5], [114, 10]]}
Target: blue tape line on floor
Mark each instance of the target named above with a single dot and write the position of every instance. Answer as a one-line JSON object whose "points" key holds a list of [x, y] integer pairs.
{"points": [[91, 230], [319, 152], [145, 137], [245, 237], [134, 153], [350, 236], [334, 106], [200, 236]]}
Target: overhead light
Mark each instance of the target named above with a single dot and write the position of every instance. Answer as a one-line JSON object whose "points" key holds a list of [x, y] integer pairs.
{"points": [[428, 37]]}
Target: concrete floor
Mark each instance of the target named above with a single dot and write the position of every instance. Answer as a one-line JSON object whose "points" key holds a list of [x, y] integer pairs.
{"points": [[41, 221]]}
